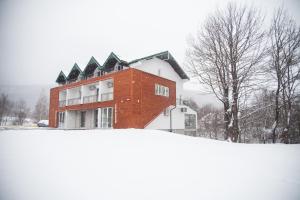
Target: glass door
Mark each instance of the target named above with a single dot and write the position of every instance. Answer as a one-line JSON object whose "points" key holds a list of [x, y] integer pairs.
{"points": [[96, 118], [61, 119], [82, 118], [106, 117]]}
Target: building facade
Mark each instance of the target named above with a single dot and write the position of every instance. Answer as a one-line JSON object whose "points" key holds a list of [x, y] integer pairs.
{"points": [[144, 93]]}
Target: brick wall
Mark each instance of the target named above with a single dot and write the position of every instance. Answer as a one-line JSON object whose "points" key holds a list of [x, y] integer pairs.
{"points": [[152, 105], [53, 107], [134, 98]]}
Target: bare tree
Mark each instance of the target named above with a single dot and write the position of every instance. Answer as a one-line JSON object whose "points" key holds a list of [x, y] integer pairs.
{"points": [[209, 120], [21, 111], [284, 65], [5, 106], [41, 107], [224, 55]]}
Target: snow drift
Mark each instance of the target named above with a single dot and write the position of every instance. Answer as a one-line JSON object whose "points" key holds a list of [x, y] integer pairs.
{"points": [[142, 164]]}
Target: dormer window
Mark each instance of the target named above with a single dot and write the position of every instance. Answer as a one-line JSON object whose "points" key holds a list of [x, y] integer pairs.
{"points": [[75, 74], [91, 68], [101, 73], [120, 67]]}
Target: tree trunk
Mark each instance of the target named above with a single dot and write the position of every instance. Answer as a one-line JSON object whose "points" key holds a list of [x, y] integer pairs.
{"points": [[226, 114], [234, 107], [275, 124]]}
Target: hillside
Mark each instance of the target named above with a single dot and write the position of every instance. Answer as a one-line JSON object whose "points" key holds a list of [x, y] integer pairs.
{"points": [[142, 165]]}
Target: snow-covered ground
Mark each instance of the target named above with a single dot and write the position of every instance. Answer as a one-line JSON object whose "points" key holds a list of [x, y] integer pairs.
{"points": [[142, 165]]}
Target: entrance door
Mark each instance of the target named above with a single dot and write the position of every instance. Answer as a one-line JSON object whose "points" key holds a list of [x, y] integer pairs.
{"points": [[96, 118], [61, 119], [106, 117], [82, 118]]}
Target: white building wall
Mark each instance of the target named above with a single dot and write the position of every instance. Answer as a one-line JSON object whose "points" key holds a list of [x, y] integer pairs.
{"points": [[89, 119], [178, 119], [163, 69], [69, 119]]}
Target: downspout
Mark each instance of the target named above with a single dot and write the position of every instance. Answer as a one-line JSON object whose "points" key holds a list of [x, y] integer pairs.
{"points": [[171, 129]]}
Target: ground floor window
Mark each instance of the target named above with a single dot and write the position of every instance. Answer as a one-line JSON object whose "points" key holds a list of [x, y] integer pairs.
{"points": [[190, 121], [82, 118], [61, 119], [106, 117]]}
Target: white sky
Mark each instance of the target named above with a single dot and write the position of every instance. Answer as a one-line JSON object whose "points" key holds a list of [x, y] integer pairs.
{"points": [[40, 38]]}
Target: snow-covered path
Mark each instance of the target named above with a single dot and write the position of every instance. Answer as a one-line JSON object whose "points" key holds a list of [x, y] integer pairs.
{"points": [[142, 165]]}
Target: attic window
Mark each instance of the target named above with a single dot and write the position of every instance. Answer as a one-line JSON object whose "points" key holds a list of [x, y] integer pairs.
{"points": [[120, 67]]}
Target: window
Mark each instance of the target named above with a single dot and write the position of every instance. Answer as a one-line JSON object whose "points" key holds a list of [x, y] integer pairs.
{"points": [[61, 119], [106, 117], [161, 90], [82, 118], [96, 118], [190, 121], [120, 67], [100, 73], [97, 94]]}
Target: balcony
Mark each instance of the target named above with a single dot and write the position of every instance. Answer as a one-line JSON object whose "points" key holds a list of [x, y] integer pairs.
{"points": [[90, 99], [107, 96], [62, 103], [74, 101]]}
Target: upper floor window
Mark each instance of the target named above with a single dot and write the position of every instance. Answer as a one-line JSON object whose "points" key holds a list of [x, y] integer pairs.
{"points": [[100, 73], [120, 67], [161, 90]]}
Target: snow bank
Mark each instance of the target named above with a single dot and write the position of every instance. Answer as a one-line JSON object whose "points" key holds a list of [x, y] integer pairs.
{"points": [[142, 165]]}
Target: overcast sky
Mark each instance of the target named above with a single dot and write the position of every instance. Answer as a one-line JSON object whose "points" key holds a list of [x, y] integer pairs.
{"points": [[40, 38]]}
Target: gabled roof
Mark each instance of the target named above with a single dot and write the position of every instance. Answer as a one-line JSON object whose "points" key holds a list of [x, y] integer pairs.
{"points": [[111, 61], [61, 78], [74, 73], [91, 66], [166, 56]]}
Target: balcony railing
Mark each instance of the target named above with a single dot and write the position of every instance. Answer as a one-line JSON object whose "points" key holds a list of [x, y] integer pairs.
{"points": [[62, 103], [74, 101], [107, 96], [90, 99]]}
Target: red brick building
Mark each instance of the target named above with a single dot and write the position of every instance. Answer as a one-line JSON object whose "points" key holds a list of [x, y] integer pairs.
{"points": [[144, 93]]}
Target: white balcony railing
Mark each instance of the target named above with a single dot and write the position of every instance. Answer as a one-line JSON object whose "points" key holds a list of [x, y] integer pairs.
{"points": [[62, 103], [74, 101], [107, 96], [90, 99]]}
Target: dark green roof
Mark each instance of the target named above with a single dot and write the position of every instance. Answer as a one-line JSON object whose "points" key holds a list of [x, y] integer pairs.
{"points": [[166, 56], [74, 73], [111, 61], [61, 78], [91, 66]]}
